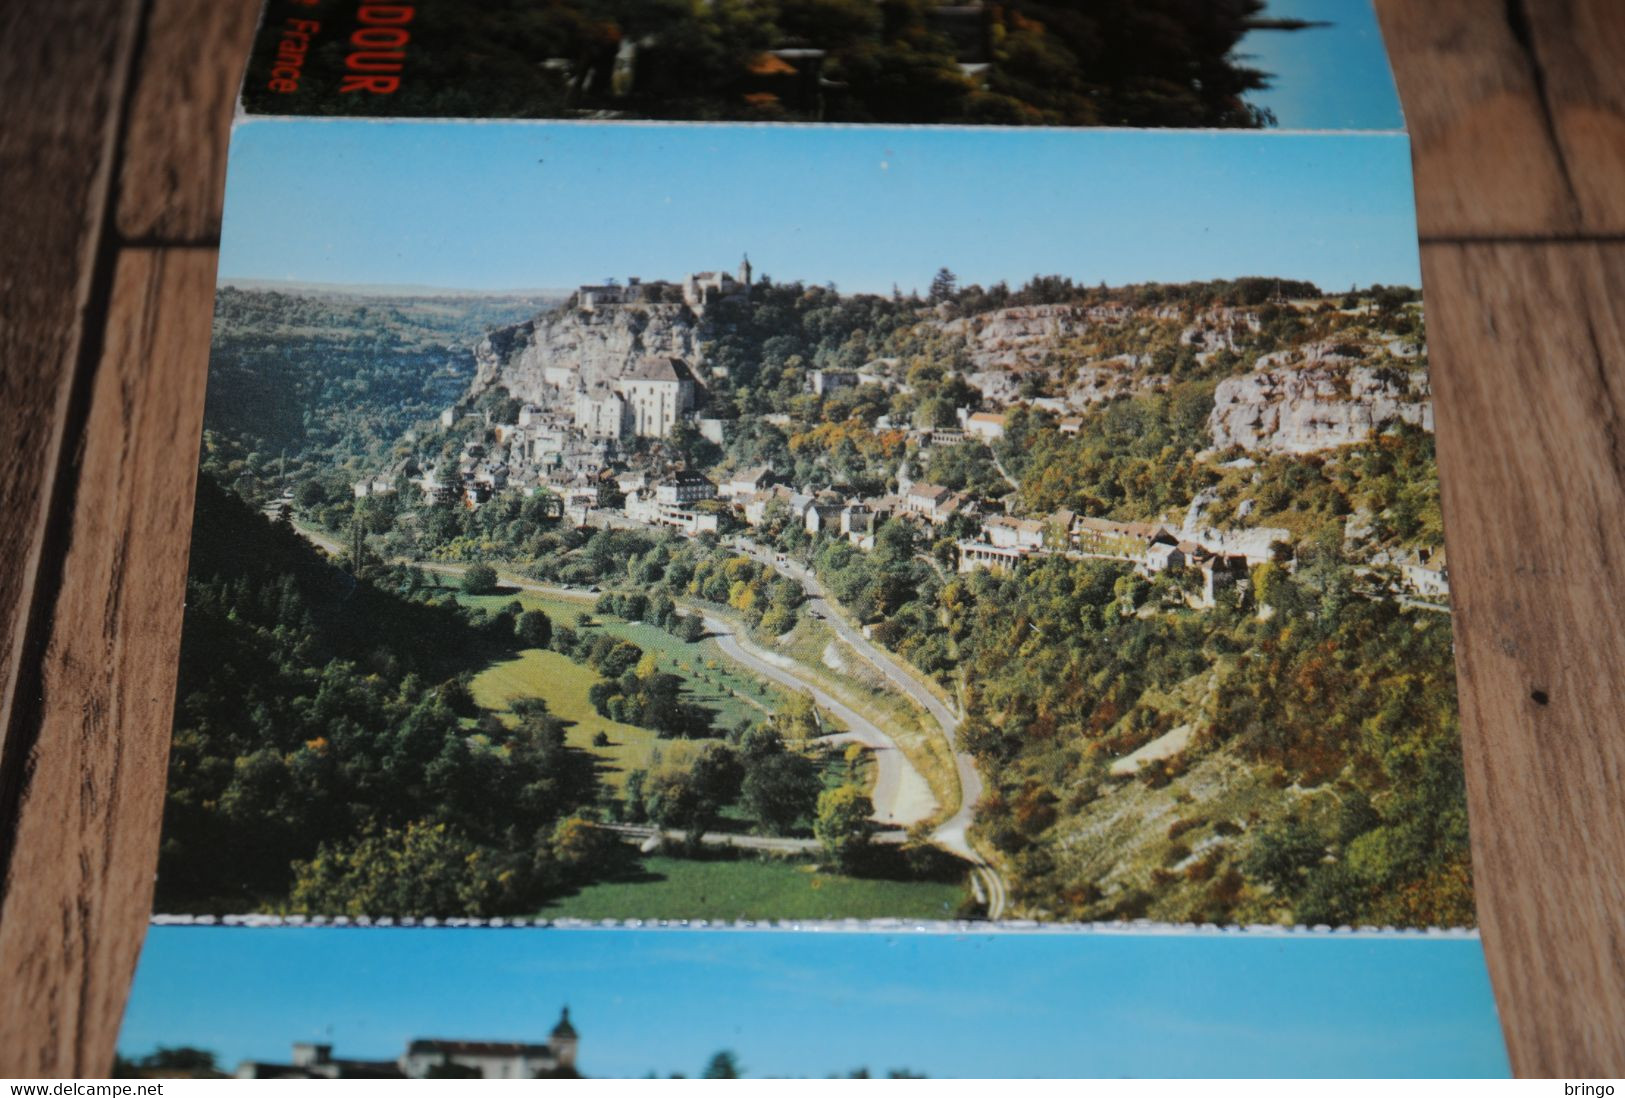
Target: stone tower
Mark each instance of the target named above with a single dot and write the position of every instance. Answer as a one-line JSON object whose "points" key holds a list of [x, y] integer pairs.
{"points": [[744, 272], [564, 1040]]}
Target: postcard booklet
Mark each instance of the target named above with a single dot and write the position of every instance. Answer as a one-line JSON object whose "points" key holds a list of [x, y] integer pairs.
{"points": [[824, 503]]}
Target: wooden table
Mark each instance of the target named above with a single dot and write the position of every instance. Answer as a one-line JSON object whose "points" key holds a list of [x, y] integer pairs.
{"points": [[112, 161]]}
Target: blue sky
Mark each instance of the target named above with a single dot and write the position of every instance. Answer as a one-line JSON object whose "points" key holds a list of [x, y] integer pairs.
{"points": [[546, 205], [1331, 77], [815, 1003]]}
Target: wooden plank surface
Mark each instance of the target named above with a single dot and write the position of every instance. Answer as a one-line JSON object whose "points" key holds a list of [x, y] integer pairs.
{"points": [[1471, 100], [1527, 356], [192, 61], [73, 91], [1517, 116], [1577, 48], [1516, 113], [71, 936], [113, 168]]}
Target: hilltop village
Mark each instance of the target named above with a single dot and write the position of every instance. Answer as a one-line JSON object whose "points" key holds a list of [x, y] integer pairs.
{"points": [[620, 371]]}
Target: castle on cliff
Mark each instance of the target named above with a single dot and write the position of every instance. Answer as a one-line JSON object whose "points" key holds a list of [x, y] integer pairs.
{"points": [[699, 290]]}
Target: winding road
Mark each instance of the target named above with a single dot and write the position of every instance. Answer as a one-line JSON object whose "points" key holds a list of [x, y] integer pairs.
{"points": [[902, 796], [953, 833]]}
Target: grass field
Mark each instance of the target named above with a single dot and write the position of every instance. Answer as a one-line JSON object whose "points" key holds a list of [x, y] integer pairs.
{"points": [[732, 694], [676, 888], [535, 673]]}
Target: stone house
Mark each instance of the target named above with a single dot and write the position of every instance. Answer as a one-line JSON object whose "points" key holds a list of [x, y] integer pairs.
{"points": [[1125, 539], [600, 412], [684, 488], [1163, 555], [825, 382], [996, 558], [933, 502], [1426, 573], [986, 426], [746, 482], [657, 393], [1013, 533]]}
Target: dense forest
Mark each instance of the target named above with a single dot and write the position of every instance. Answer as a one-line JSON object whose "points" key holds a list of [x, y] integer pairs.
{"points": [[1026, 62], [320, 718], [1337, 713]]}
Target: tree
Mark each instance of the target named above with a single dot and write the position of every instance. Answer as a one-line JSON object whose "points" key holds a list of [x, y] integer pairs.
{"points": [[724, 1065], [534, 628], [192, 1061], [797, 719], [692, 629], [480, 579], [842, 825], [1283, 854], [580, 845], [422, 869], [943, 284], [780, 788], [311, 494], [689, 797]]}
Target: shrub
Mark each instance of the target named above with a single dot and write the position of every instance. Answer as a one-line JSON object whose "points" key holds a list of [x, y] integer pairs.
{"points": [[843, 825], [480, 579]]}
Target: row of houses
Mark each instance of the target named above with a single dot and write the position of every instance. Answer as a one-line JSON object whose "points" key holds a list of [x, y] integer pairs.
{"points": [[1153, 548]]}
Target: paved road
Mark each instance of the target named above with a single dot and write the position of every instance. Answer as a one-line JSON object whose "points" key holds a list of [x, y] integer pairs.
{"points": [[902, 796], [953, 833]]}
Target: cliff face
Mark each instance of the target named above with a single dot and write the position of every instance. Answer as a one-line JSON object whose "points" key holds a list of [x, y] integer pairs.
{"points": [[1022, 335], [1283, 410], [530, 359]]}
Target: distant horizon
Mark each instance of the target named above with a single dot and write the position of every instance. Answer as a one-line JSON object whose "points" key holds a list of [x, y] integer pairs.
{"points": [[493, 205], [409, 289]]}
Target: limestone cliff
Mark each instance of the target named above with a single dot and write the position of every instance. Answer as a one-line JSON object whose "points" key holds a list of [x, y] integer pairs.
{"points": [[1298, 411], [1022, 335], [533, 360]]}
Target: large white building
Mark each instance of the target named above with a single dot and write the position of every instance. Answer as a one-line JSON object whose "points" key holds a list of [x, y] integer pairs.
{"points": [[645, 402], [433, 1057], [657, 391], [600, 412]]}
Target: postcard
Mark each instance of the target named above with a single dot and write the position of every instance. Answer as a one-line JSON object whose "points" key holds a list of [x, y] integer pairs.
{"points": [[827, 531], [332, 1003], [1249, 64]]}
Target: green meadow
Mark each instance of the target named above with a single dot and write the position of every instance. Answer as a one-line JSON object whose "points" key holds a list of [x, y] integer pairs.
{"points": [[752, 888]]}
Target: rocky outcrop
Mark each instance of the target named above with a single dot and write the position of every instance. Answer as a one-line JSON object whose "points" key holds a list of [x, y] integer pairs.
{"points": [[1299, 411], [1115, 377], [1023, 335], [1220, 327], [538, 358]]}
